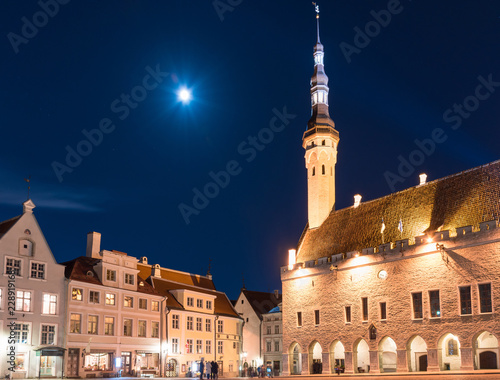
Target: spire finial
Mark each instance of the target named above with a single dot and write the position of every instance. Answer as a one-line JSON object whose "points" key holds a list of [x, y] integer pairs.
{"points": [[316, 9]]}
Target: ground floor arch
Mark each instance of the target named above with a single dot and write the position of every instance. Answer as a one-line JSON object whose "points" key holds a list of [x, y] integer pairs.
{"points": [[315, 358], [387, 354], [361, 356], [449, 358], [171, 368], [337, 356], [417, 354], [295, 361], [486, 351]]}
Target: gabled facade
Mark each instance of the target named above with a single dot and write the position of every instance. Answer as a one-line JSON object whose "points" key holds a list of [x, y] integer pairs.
{"points": [[251, 306], [32, 300], [272, 340]]}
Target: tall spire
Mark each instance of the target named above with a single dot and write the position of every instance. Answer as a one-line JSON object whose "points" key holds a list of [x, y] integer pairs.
{"points": [[316, 8]]}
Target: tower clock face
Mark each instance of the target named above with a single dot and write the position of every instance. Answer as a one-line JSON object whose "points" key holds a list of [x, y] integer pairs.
{"points": [[382, 274]]}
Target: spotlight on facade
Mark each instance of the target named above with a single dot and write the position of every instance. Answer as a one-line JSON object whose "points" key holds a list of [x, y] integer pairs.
{"points": [[291, 258], [429, 240]]}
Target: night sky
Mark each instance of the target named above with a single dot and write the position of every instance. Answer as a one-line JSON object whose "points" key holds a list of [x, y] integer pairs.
{"points": [[245, 63]]}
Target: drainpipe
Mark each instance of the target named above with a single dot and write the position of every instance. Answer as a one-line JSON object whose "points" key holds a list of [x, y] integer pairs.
{"points": [[163, 326], [215, 338]]}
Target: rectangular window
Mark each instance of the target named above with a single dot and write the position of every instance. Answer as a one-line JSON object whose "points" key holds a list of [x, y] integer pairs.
{"points": [[38, 270], [435, 303], [93, 297], [49, 304], [199, 346], [23, 301], [465, 300], [175, 345], [208, 305], [220, 326], [417, 305], [128, 301], [276, 329], [190, 301], [199, 303], [77, 294], [155, 306], [129, 279], [92, 324], [22, 333], [189, 323], [485, 305], [348, 314], [13, 266], [383, 311], [155, 329], [189, 346], [143, 303], [364, 306], [220, 347], [48, 334], [208, 325], [127, 327], [110, 299], [111, 275], [142, 329], [208, 347], [199, 324], [109, 326], [175, 321], [268, 330], [268, 346], [277, 345], [75, 324], [299, 318], [316, 317]]}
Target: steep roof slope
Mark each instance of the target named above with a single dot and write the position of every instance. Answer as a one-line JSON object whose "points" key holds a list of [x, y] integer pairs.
{"points": [[262, 302], [463, 199]]}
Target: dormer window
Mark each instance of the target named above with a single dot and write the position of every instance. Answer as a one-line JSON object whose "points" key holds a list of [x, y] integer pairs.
{"points": [[129, 279], [190, 301]]}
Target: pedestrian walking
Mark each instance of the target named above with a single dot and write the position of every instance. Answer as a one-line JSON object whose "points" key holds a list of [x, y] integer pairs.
{"points": [[212, 368], [202, 367], [216, 371], [208, 370]]}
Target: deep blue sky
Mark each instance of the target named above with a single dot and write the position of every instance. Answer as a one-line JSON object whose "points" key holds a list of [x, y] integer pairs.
{"points": [[259, 57]]}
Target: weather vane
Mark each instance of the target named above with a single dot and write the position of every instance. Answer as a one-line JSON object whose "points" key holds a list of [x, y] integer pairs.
{"points": [[28, 180], [316, 8]]}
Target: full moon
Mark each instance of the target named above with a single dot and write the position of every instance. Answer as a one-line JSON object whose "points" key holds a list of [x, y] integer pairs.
{"points": [[184, 95]]}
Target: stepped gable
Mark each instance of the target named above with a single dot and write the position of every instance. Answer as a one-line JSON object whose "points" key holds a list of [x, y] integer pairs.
{"points": [[463, 199]]}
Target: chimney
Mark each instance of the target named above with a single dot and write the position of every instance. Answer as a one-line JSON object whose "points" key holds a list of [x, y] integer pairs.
{"points": [[94, 245], [357, 200], [423, 179], [156, 271], [143, 260], [276, 293]]}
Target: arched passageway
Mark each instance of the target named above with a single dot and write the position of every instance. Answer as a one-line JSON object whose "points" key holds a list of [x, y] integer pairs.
{"points": [[486, 351], [315, 358], [337, 356], [361, 356], [417, 354], [388, 356], [295, 355], [449, 358]]}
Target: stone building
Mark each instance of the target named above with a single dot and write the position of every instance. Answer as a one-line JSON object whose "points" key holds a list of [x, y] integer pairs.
{"points": [[406, 282], [251, 305], [36, 338]]}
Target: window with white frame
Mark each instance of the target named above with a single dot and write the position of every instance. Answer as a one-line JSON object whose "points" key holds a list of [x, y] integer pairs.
{"points": [[111, 275], [142, 329], [175, 321], [127, 327], [22, 333], [155, 329], [155, 306], [49, 304], [143, 303], [109, 326], [208, 305], [208, 347], [220, 326], [38, 271], [13, 266], [110, 299], [220, 347], [208, 325], [92, 324], [199, 346], [75, 324], [199, 324], [93, 297], [175, 345], [190, 301], [199, 303], [23, 300], [76, 294], [189, 321], [129, 279], [128, 301], [189, 346], [48, 334]]}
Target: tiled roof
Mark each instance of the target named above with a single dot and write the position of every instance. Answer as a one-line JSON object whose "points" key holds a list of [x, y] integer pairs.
{"points": [[7, 225], [261, 302], [463, 199], [177, 276]]}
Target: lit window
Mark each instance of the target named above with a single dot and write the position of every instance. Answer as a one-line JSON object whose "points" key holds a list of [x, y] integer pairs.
{"points": [[92, 324], [128, 301], [190, 301], [189, 323], [38, 271], [75, 324], [155, 306], [109, 326], [208, 325], [189, 346], [111, 275], [155, 329], [77, 294], [22, 333], [452, 347], [199, 346], [23, 301], [127, 327], [143, 303], [49, 304], [48, 334], [175, 321], [198, 324], [175, 345], [129, 279], [485, 298], [13, 266], [142, 329], [93, 297], [220, 326], [435, 304], [208, 347], [199, 303], [110, 299], [465, 300], [208, 305]]}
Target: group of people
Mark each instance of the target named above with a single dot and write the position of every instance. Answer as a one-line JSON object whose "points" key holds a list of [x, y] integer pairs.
{"points": [[209, 369]]}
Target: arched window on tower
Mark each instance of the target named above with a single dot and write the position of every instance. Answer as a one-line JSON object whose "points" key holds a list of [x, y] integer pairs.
{"points": [[323, 169], [314, 171], [323, 142]]}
